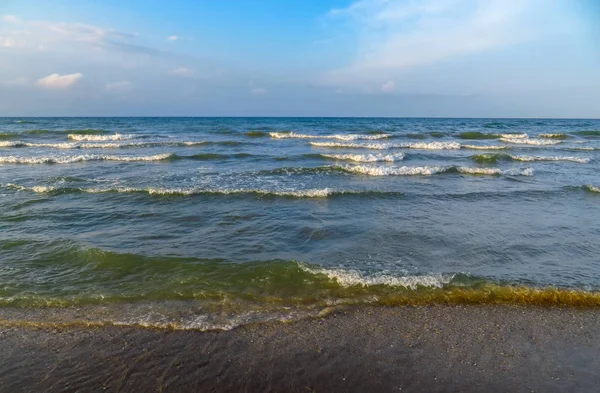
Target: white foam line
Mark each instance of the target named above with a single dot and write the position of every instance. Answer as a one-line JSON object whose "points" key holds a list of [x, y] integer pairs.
{"points": [[366, 157], [344, 137], [527, 141], [100, 138], [385, 146], [80, 158], [350, 278]]}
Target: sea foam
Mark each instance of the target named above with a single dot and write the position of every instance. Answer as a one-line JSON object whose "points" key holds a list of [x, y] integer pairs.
{"points": [[79, 158], [350, 278], [366, 157], [385, 146], [344, 137], [527, 141], [100, 138]]}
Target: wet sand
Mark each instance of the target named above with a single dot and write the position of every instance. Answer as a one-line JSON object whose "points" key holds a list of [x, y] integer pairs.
{"points": [[367, 349]]}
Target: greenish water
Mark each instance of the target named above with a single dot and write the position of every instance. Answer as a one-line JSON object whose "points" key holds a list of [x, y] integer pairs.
{"points": [[213, 222]]}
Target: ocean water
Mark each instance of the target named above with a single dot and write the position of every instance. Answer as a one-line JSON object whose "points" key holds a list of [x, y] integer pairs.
{"points": [[214, 222]]}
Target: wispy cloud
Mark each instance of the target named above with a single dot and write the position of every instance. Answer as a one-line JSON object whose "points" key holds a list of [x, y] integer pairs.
{"points": [[399, 35], [47, 35], [56, 81], [172, 38], [121, 86], [182, 71]]}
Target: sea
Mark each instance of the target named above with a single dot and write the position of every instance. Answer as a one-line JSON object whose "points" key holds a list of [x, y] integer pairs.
{"points": [[213, 223]]}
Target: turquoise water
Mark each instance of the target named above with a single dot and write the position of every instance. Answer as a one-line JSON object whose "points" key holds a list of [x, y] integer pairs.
{"points": [[212, 222]]}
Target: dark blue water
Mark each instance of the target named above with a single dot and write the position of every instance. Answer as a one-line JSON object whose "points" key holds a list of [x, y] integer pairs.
{"points": [[227, 220]]}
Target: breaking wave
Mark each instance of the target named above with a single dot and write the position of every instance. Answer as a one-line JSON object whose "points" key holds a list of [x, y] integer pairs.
{"points": [[527, 141], [430, 170], [491, 158], [344, 137], [385, 146], [366, 157], [100, 138], [80, 158]]}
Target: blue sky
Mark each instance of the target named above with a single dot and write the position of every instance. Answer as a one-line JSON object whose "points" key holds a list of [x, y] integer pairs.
{"points": [[448, 58]]}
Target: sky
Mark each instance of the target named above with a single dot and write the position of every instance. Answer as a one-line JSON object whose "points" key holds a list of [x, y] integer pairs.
{"points": [[389, 58]]}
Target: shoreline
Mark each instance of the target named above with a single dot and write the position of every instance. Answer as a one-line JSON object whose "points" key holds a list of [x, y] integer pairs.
{"points": [[442, 348]]}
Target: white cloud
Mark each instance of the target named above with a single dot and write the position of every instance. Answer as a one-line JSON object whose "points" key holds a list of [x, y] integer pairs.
{"points": [[56, 81], [7, 42], [182, 71], [394, 36], [172, 38], [388, 87], [121, 86], [259, 91], [10, 18]]}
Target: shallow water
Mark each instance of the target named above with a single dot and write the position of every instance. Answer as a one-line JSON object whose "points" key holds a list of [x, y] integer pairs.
{"points": [[212, 222]]}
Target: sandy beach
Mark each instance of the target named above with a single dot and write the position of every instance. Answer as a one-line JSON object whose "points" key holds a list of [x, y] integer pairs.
{"points": [[386, 349]]}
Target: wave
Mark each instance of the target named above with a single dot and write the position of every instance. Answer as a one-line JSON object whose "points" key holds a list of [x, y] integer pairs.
{"points": [[592, 188], [344, 137], [554, 136], [81, 158], [100, 138], [430, 170], [366, 157], [280, 289], [350, 278], [477, 135], [495, 124], [112, 145], [480, 147], [385, 146], [307, 193], [527, 141], [256, 134], [491, 158], [588, 133]]}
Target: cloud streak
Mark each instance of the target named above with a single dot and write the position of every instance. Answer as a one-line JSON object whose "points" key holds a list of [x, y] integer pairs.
{"points": [[56, 81]]}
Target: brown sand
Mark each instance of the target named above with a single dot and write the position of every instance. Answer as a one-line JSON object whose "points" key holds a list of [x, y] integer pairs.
{"points": [[368, 349]]}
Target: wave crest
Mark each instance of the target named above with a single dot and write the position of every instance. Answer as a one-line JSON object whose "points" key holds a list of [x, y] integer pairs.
{"points": [[100, 138], [366, 157], [81, 158], [343, 137]]}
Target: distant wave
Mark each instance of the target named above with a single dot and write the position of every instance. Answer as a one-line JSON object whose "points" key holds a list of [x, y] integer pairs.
{"points": [[256, 134], [112, 145], [344, 137], [527, 141], [385, 146], [366, 157], [100, 138], [483, 147], [554, 136], [489, 158], [430, 170], [80, 158], [593, 133], [483, 135]]}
